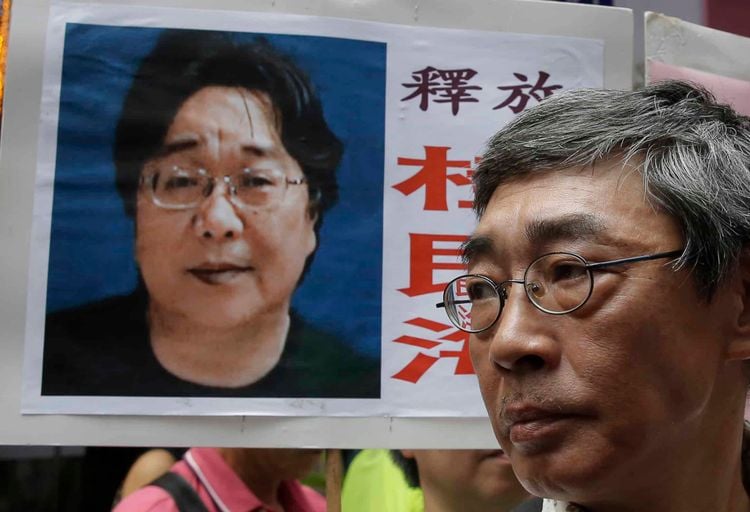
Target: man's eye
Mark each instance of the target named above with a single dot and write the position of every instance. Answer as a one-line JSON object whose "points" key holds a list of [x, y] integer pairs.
{"points": [[255, 181], [479, 290], [180, 182], [566, 271]]}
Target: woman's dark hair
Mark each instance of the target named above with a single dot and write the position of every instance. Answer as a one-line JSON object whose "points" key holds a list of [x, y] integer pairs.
{"points": [[185, 61]]}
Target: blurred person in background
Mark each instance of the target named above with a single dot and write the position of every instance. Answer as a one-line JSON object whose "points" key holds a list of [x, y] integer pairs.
{"points": [[229, 479], [433, 481]]}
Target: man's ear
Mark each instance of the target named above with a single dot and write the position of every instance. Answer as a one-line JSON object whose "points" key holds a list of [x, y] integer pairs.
{"points": [[312, 213], [313, 204], [312, 239], [739, 346]]}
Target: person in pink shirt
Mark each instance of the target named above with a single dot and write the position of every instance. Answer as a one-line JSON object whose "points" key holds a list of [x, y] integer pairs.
{"points": [[233, 480]]}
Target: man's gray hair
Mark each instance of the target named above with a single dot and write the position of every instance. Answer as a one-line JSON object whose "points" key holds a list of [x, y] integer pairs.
{"points": [[693, 154]]}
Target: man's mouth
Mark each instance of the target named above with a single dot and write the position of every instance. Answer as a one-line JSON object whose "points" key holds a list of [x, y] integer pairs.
{"points": [[218, 273], [494, 455], [527, 423]]}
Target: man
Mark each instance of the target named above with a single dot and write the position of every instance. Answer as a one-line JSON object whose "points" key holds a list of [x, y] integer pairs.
{"points": [[227, 165], [608, 298], [432, 481], [224, 479], [465, 480]]}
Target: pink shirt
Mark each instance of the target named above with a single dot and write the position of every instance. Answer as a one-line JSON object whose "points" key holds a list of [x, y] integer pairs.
{"points": [[217, 475]]}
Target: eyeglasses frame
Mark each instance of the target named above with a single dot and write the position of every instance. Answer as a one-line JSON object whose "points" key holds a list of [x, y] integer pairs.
{"points": [[147, 180], [502, 294]]}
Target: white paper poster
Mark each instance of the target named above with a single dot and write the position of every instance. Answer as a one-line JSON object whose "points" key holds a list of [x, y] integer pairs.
{"points": [[245, 213]]}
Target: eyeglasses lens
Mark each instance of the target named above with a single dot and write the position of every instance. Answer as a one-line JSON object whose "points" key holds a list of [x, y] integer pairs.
{"points": [[558, 282], [178, 187], [259, 188], [472, 303]]}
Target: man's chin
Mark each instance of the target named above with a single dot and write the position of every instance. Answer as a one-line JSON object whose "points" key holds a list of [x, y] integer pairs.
{"points": [[560, 475], [215, 314], [226, 317], [547, 487]]}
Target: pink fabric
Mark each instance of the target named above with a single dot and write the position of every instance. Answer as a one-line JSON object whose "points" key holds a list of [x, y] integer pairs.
{"points": [[294, 496]]}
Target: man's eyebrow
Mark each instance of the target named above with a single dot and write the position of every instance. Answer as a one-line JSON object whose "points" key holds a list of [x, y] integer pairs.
{"points": [[539, 231], [177, 146], [566, 227], [170, 148], [255, 150], [476, 246]]}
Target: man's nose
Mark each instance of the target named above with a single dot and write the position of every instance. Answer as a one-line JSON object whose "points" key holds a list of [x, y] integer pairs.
{"points": [[522, 339], [217, 217]]}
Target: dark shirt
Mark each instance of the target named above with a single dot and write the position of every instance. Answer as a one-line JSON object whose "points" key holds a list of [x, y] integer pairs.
{"points": [[532, 505], [103, 349]]}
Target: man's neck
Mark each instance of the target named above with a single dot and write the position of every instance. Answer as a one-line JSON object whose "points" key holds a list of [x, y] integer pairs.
{"points": [[219, 357], [435, 501], [262, 484], [705, 478]]}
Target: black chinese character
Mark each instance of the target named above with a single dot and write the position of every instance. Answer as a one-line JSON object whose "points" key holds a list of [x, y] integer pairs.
{"points": [[447, 85], [521, 97]]}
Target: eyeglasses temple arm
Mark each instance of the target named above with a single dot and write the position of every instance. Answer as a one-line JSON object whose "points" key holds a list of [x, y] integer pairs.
{"points": [[442, 304], [670, 254]]}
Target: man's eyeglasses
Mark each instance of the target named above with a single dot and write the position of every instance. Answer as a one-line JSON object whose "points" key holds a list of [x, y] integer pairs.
{"points": [[556, 283], [180, 188]]}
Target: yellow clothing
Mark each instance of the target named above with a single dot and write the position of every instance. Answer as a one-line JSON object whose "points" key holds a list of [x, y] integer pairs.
{"points": [[374, 483]]}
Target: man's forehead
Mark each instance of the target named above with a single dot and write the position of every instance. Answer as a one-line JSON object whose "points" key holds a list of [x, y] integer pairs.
{"points": [[596, 187], [536, 232], [228, 118], [615, 168], [598, 204]]}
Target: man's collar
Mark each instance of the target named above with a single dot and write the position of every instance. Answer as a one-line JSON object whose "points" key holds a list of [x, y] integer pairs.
{"points": [[216, 474], [560, 506]]}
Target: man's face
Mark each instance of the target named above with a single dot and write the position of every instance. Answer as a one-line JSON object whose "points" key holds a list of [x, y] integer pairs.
{"points": [[606, 399], [470, 477], [220, 264], [278, 463]]}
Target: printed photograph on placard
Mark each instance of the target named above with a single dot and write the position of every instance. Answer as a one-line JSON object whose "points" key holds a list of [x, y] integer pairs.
{"points": [[216, 194]]}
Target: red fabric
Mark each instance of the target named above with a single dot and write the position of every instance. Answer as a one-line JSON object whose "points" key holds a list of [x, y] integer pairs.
{"points": [[728, 15], [294, 496]]}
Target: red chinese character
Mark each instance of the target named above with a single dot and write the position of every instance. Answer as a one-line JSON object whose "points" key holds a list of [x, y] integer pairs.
{"points": [[418, 366], [520, 97], [422, 264], [433, 176]]}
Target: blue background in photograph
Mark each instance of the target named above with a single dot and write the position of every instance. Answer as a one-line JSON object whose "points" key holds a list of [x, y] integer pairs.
{"points": [[91, 247]]}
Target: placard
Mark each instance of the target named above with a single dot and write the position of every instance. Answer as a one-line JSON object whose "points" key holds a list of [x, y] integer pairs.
{"points": [[165, 297], [254, 420]]}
